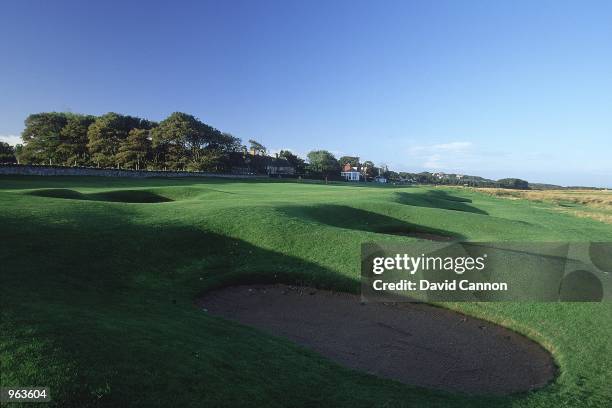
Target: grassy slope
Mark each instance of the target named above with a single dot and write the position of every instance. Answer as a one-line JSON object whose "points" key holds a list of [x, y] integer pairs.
{"points": [[98, 294]]}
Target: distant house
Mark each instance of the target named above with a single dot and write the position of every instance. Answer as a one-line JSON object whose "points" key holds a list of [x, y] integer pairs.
{"points": [[280, 167], [380, 179], [350, 173]]}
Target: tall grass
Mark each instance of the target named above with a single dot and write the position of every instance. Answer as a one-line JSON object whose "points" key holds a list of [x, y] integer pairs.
{"points": [[595, 204]]}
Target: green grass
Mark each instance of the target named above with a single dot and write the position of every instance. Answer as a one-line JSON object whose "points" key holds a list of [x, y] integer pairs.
{"points": [[99, 278]]}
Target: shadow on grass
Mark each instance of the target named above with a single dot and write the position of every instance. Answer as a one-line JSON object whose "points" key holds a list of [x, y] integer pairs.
{"points": [[107, 250], [342, 216], [118, 196], [109, 295], [109, 302], [438, 199]]}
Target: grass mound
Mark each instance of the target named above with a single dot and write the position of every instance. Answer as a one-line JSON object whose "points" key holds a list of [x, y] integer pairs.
{"points": [[346, 217], [58, 193], [120, 196], [438, 199], [129, 196]]}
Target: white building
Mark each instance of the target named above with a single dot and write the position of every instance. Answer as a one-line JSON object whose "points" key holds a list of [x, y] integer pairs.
{"points": [[350, 173], [380, 179]]}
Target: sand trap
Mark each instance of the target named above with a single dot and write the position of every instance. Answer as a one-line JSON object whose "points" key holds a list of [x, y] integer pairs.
{"points": [[411, 343]]}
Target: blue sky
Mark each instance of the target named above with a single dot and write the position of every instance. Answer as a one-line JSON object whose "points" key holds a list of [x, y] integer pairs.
{"points": [[497, 89]]}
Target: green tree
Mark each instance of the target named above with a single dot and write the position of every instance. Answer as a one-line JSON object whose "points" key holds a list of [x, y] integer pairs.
{"points": [[7, 153], [135, 150], [257, 148], [323, 163], [73, 139], [181, 140], [383, 170], [106, 134], [41, 137], [176, 139], [513, 183], [210, 159], [294, 160], [352, 160], [369, 170], [229, 143], [18, 152], [392, 175]]}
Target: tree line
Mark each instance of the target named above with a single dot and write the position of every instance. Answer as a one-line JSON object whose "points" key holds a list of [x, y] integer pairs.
{"points": [[179, 142], [183, 142]]}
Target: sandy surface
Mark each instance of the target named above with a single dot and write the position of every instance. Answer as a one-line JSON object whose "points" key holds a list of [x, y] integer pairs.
{"points": [[411, 343]]}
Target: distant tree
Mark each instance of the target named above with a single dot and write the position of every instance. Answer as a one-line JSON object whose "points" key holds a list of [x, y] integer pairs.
{"points": [[171, 139], [41, 137], [392, 175], [211, 160], [73, 139], [230, 143], [368, 169], [513, 183], [425, 178], [180, 139], [18, 152], [257, 148], [7, 153], [352, 160], [135, 150], [323, 163], [106, 134], [383, 171], [298, 163], [208, 138]]}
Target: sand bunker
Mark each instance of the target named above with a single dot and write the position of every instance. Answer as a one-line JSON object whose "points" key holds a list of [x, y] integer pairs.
{"points": [[415, 344]]}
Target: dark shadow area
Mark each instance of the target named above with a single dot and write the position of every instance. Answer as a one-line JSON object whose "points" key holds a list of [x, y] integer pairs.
{"points": [[109, 302], [117, 196], [438, 199], [129, 196], [58, 193], [342, 216], [110, 295], [581, 286], [601, 255]]}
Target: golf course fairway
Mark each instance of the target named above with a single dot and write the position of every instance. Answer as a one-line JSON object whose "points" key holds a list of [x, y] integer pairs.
{"points": [[100, 279]]}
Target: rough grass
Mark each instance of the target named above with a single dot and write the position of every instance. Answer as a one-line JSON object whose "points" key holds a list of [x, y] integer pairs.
{"points": [[595, 204], [97, 298]]}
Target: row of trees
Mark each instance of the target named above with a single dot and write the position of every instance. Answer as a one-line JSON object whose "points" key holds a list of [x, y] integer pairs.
{"points": [[183, 142], [180, 141]]}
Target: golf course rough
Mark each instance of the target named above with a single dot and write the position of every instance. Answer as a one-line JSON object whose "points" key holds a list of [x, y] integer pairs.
{"points": [[99, 290]]}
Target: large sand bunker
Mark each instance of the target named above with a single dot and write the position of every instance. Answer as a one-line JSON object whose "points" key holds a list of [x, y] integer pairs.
{"points": [[412, 343]]}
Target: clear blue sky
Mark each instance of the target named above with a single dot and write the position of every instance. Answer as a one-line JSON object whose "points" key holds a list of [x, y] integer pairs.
{"points": [[492, 88]]}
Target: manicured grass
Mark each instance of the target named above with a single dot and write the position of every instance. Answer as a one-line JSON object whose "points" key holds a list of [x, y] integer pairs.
{"points": [[99, 276]]}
